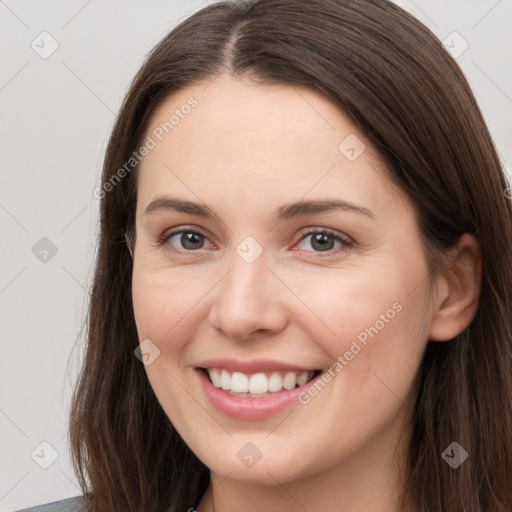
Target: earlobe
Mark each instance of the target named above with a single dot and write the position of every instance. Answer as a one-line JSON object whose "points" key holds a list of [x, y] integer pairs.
{"points": [[459, 290]]}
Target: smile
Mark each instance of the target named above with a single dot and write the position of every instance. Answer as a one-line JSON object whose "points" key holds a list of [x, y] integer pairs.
{"points": [[258, 392], [257, 385]]}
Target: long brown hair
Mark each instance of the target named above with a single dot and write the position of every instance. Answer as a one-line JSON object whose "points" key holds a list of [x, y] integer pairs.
{"points": [[393, 79]]}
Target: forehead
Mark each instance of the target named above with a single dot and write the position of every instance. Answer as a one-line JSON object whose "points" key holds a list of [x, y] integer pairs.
{"points": [[263, 117], [258, 140]]}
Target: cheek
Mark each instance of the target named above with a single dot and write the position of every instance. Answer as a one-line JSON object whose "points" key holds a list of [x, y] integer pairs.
{"points": [[151, 309], [166, 303], [372, 325], [375, 348], [341, 305], [165, 309]]}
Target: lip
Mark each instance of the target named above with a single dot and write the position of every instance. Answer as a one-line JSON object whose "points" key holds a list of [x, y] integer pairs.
{"points": [[253, 366], [247, 408]]}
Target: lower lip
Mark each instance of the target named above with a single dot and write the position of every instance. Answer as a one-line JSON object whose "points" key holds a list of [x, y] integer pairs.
{"points": [[250, 408]]}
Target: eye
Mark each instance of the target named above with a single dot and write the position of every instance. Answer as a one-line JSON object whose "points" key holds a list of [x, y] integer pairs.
{"points": [[189, 239], [324, 240]]}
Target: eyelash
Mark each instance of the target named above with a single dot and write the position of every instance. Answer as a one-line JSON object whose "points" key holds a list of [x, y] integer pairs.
{"points": [[346, 243]]}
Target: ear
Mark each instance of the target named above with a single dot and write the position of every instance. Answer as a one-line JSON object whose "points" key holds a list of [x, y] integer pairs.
{"points": [[458, 290]]}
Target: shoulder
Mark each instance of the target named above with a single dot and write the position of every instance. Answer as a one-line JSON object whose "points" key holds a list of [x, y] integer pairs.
{"points": [[67, 505]]}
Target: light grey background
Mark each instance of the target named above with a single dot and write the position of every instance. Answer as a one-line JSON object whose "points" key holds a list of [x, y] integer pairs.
{"points": [[56, 115]]}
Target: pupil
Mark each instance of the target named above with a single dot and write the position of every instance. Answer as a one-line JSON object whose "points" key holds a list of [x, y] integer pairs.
{"points": [[321, 239], [190, 238]]}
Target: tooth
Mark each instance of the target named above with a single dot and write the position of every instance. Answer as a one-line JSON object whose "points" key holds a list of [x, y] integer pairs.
{"points": [[239, 383], [303, 378], [275, 383], [225, 380], [289, 381], [258, 383], [215, 376]]}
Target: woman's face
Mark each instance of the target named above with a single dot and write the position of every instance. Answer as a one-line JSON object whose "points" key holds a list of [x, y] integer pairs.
{"points": [[256, 297]]}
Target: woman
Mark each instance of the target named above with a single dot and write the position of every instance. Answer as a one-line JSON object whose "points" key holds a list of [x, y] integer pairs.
{"points": [[302, 294]]}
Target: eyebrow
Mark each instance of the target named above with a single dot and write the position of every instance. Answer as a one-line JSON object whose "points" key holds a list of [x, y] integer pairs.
{"points": [[285, 212]]}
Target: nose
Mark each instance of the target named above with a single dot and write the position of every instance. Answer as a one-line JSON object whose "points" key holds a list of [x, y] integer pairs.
{"points": [[249, 300]]}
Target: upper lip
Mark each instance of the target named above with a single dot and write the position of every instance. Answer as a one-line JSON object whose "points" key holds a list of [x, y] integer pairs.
{"points": [[252, 366]]}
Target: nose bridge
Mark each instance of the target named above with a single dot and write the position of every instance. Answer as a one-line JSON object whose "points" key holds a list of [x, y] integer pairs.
{"points": [[245, 300], [247, 283]]}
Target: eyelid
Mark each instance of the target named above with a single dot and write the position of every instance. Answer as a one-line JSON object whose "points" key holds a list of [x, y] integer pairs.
{"points": [[168, 235], [346, 241], [335, 234]]}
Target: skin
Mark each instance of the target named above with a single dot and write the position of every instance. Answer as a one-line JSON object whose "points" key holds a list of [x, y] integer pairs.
{"points": [[245, 150]]}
